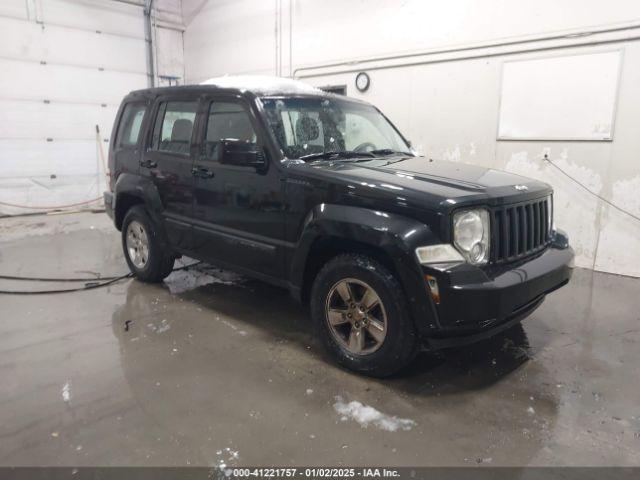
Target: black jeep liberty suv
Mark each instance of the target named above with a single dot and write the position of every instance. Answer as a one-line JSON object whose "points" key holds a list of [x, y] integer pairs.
{"points": [[322, 195]]}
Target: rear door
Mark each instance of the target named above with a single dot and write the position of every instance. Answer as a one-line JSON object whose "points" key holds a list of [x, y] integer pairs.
{"points": [[168, 161], [238, 210]]}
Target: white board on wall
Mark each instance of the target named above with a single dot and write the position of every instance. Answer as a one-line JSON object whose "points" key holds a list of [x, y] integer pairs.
{"points": [[560, 98]]}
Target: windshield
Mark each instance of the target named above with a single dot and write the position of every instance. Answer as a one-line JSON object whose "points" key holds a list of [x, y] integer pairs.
{"points": [[310, 127]]}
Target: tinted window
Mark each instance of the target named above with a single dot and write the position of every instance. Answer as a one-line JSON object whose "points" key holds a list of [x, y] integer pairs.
{"points": [[227, 121], [130, 123], [174, 126]]}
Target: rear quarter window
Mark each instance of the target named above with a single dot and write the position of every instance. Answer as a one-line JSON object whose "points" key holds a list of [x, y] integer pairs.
{"points": [[130, 124]]}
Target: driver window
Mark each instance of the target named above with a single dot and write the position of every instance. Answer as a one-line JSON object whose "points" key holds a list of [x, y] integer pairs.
{"points": [[226, 121]]}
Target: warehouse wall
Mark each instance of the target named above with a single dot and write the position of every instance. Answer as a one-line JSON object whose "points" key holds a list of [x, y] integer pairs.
{"points": [[447, 100], [66, 64]]}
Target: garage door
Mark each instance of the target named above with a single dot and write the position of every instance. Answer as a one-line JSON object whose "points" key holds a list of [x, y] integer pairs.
{"points": [[65, 67]]}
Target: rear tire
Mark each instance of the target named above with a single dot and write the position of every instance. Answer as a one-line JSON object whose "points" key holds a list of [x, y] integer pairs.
{"points": [[146, 257], [361, 314]]}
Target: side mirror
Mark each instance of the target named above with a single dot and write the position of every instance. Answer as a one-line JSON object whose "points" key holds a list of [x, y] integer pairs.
{"points": [[242, 154]]}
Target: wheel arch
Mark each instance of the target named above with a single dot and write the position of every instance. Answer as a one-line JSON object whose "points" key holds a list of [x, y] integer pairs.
{"points": [[131, 190], [326, 247], [390, 239], [124, 202]]}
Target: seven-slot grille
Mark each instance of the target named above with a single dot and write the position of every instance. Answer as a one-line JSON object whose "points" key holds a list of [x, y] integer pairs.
{"points": [[520, 230]]}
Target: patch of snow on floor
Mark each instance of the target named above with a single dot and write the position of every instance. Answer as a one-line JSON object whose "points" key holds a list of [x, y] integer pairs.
{"points": [[164, 326], [182, 281], [66, 392], [366, 415]]}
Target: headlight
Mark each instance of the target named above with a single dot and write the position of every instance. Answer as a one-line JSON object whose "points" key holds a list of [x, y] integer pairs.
{"points": [[471, 235]]}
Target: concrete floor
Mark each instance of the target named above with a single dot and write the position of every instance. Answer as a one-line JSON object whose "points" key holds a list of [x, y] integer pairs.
{"points": [[229, 373]]}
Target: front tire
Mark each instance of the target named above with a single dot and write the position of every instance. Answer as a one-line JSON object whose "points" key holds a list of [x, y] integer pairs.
{"points": [[146, 258], [362, 317]]}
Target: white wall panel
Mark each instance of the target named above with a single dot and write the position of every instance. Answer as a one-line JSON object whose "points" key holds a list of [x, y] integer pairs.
{"points": [[231, 37], [169, 11], [337, 29], [103, 15], [55, 120], [562, 97], [619, 241], [34, 158], [73, 84], [60, 78], [68, 46], [13, 8]]}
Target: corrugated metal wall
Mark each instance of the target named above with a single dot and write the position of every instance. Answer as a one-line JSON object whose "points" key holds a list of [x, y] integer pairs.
{"points": [[65, 66]]}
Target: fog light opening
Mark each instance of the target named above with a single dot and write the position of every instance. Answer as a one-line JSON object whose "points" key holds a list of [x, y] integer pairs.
{"points": [[432, 283]]}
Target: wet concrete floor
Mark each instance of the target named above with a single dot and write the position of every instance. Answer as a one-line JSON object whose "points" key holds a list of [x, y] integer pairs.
{"points": [[212, 369]]}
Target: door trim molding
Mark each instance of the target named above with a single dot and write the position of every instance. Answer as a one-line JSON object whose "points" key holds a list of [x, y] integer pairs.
{"points": [[253, 239]]}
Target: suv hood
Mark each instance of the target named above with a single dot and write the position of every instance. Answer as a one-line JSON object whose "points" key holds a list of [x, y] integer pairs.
{"points": [[442, 181]]}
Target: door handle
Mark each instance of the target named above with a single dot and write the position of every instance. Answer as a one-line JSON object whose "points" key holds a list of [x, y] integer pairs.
{"points": [[148, 164], [202, 172]]}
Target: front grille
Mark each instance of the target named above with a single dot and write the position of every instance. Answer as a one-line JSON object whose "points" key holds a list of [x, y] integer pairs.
{"points": [[520, 230]]}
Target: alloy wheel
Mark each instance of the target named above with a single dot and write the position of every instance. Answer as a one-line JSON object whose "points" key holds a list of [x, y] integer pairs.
{"points": [[137, 244], [356, 316]]}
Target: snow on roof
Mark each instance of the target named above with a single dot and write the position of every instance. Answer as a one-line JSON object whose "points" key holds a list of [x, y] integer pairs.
{"points": [[262, 84]]}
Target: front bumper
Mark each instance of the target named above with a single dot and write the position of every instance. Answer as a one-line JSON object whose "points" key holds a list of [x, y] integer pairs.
{"points": [[476, 303]]}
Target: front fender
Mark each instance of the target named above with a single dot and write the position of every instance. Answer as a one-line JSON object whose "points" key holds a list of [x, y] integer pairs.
{"points": [[395, 235]]}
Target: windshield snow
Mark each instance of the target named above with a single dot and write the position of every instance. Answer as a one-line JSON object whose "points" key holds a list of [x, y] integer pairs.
{"points": [[305, 127]]}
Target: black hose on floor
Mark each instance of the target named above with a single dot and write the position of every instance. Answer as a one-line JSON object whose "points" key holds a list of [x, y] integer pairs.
{"points": [[51, 279], [91, 284], [86, 286]]}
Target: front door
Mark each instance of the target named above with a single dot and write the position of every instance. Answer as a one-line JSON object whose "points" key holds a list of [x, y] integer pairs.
{"points": [[238, 210], [168, 162]]}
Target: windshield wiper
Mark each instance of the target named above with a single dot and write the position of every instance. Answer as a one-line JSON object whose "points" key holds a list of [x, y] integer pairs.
{"points": [[336, 154], [389, 151]]}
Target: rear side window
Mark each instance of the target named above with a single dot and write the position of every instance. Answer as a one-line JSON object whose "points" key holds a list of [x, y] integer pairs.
{"points": [[227, 121], [130, 124], [174, 126]]}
